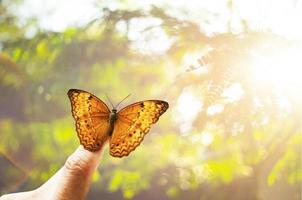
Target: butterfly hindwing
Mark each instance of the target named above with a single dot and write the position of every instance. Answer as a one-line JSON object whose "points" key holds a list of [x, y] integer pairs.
{"points": [[133, 123], [92, 118]]}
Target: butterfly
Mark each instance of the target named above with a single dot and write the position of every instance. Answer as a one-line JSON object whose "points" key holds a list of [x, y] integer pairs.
{"points": [[125, 129]]}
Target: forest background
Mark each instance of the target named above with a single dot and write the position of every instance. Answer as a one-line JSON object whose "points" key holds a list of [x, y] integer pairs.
{"points": [[230, 71]]}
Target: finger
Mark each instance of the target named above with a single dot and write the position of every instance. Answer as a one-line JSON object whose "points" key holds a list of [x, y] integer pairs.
{"points": [[20, 196], [73, 180]]}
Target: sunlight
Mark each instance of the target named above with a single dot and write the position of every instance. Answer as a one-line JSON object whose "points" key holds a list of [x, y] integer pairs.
{"points": [[282, 70], [233, 93], [188, 107], [215, 109], [284, 104], [281, 16], [206, 138], [57, 15], [148, 40]]}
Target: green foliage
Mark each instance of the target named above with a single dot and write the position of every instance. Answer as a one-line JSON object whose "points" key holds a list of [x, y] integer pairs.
{"points": [[288, 166], [129, 182]]}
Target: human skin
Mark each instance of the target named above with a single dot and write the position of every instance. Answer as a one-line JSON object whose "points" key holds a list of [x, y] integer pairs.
{"points": [[71, 182]]}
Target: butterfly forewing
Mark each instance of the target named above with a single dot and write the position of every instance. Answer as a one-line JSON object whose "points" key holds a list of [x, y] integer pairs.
{"points": [[133, 123], [92, 118]]}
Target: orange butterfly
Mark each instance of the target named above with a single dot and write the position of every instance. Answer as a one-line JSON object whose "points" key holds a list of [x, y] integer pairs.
{"points": [[125, 130]]}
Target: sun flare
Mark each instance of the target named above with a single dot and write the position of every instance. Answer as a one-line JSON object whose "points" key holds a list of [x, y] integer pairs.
{"points": [[281, 70]]}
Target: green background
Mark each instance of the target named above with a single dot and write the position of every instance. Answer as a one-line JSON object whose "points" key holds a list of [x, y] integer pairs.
{"points": [[208, 145]]}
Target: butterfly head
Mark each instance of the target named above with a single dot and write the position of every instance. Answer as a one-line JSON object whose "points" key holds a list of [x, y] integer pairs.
{"points": [[114, 110]]}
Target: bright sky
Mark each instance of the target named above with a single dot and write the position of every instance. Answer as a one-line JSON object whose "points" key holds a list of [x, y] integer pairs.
{"points": [[56, 15], [282, 16]]}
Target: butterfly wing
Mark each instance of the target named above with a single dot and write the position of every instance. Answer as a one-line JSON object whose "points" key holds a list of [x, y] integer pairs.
{"points": [[92, 118], [133, 123]]}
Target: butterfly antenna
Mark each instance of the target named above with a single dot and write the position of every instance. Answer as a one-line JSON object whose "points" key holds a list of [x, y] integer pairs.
{"points": [[109, 101], [123, 100]]}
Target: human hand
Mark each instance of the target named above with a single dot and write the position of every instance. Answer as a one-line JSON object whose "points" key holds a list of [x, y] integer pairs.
{"points": [[71, 182]]}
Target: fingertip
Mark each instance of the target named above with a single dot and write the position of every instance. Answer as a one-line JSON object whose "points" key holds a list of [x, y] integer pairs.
{"points": [[82, 161]]}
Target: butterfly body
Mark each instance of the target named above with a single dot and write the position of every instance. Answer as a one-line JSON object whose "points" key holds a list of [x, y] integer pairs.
{"points": [[112, 119], [125, 129]]}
